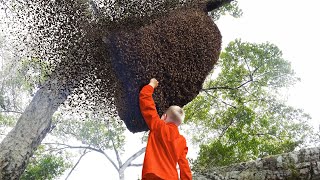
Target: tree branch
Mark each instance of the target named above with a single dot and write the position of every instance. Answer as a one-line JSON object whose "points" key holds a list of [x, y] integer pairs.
{"points": [[117, 153], [51, 149], [226, 128], [229, 125], [229, 104], [84, 153], [133, 157], [9, 111], [256, 69], [87, 147], [135, 165], [250, 73]]}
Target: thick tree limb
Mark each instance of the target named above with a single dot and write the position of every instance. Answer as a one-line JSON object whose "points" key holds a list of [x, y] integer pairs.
{"points": [[117, 153], [133, 157], [32, 126]]}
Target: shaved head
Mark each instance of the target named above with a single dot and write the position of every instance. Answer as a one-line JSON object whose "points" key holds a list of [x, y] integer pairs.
{"points": [[175, 114]]}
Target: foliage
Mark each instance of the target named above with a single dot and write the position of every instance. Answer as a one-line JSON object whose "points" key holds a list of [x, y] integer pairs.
{"points": [[10, 89], [241, 113], [19, 78], [93, 131], [34, 71], [45, 166], [96, 134], [230, 8], [7, 121]]}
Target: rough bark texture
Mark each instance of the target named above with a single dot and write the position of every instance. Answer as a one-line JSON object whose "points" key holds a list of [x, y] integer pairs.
{"points": [[303, 164], [32, 126]]}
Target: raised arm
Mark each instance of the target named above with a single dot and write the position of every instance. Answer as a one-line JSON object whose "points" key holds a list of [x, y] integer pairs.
{"points": [[147, 105], [185, 172]]}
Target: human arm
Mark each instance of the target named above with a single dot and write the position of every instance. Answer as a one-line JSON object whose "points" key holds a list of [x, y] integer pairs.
{"points": [[185, 172], [147, 105]]}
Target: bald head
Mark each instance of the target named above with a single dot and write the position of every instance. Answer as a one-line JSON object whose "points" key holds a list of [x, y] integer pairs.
{"points": [[174, 114]]}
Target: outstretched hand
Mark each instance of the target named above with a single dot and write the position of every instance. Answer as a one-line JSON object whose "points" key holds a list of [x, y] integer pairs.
{"points": [[154, 83]]}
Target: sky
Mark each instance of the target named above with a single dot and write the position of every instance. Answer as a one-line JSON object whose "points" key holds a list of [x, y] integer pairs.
{"points": [[292, 26], [289, 24]]}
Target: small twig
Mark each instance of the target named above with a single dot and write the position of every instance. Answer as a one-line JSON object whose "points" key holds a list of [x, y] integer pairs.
{"points": [[135, 165], [226, 128], [229, 104], [247, 64], [227, 87], [9, 111]]}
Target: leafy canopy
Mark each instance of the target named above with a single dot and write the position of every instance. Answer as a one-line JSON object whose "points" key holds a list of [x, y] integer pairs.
{"points": [[45, 166], [240, 115]]}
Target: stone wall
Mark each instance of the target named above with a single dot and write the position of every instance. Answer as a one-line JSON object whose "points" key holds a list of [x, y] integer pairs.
{"points": [[303, 164]]}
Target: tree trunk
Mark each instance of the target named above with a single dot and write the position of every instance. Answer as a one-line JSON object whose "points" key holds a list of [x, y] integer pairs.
{"points": [[303, 164], [128, 162], [121, 174], [33, 125]]}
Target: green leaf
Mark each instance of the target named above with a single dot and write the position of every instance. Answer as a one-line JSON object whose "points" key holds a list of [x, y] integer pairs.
{"points": [[240, 113]]}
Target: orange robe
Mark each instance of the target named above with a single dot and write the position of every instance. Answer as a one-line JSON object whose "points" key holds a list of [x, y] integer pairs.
{"points": [[166, 147]]}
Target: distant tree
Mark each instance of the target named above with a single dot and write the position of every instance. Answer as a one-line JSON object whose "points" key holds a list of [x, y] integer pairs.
{"points": [[46, 166], [96, 134], [16, 85], [241, 114]]}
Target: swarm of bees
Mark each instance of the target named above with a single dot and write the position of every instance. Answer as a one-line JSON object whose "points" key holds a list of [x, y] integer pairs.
{"points": [[178, 49], [105, 51]]}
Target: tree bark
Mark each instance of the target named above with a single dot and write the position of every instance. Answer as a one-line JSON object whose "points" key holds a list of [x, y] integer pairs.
{"points": [[303, 164], [128, 162], [121, 174], [33, 125]]}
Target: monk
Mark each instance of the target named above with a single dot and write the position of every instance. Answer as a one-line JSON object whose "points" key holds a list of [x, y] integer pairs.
{"points": [[166, 147]]}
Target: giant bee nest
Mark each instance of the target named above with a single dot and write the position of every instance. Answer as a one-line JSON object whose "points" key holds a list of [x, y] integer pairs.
{"points": [[104, 52]]}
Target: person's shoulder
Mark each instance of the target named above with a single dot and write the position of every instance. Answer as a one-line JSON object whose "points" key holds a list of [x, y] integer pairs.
{"points": [[160, 124]]}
